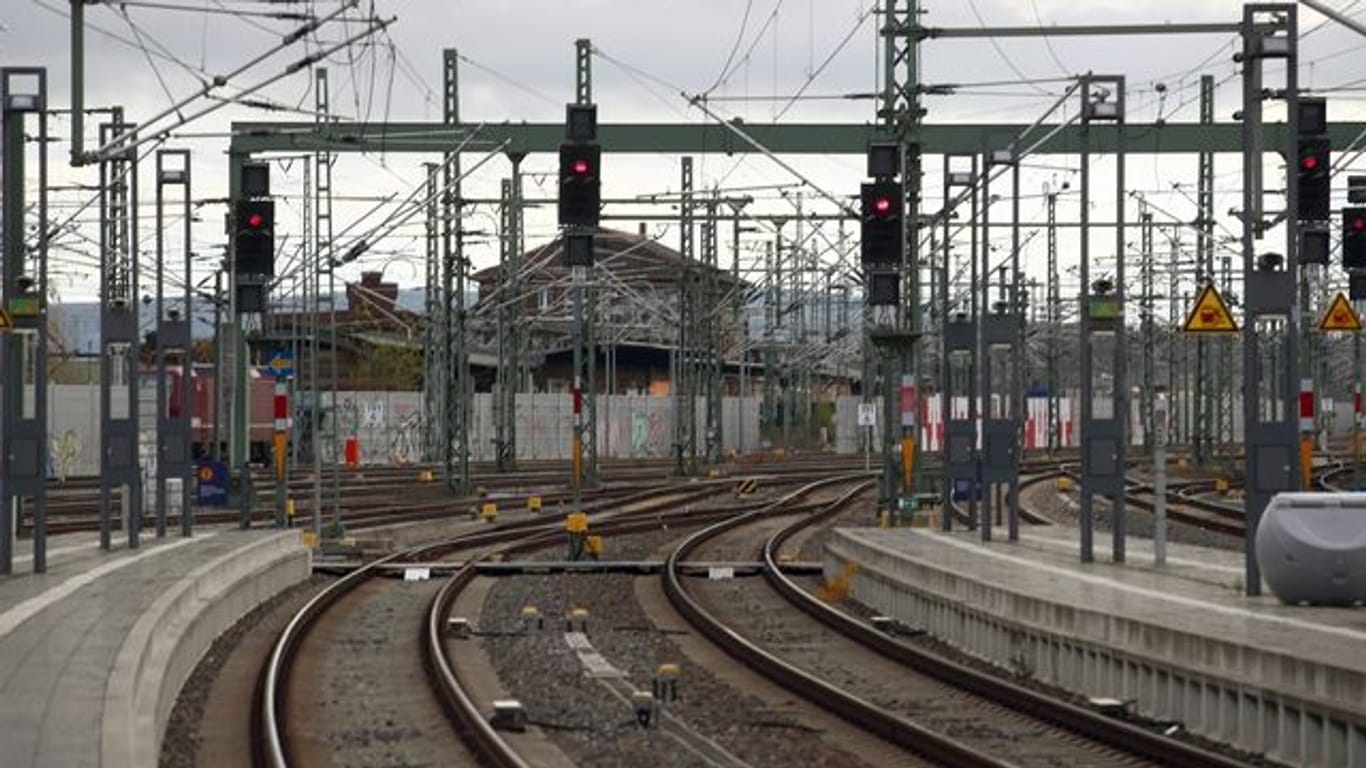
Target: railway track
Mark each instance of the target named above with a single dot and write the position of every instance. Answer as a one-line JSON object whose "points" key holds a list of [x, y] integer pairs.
{"points": [[644, 510], [491, 746], [1037, 726], [914, 698], [368, 497]]}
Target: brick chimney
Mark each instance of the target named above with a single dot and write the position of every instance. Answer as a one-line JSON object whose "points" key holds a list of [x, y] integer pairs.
{"points": [[372, 296]]}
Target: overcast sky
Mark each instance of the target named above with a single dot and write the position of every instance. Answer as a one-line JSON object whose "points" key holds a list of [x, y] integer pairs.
{"points": [[519, 66]]}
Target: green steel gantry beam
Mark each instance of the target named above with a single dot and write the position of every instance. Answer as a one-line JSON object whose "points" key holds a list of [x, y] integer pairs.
{"points": [[786, 138]]}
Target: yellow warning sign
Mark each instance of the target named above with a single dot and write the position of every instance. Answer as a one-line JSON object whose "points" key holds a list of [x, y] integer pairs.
{"points": [[1210, 314], [1340, 316], [5, 322]]}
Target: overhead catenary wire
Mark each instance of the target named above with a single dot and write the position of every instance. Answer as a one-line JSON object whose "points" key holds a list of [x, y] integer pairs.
{"points": [[149, 126]]}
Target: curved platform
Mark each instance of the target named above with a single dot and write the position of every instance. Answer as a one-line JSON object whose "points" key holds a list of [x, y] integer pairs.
{"points": [[93, 653], [1182, 642]]}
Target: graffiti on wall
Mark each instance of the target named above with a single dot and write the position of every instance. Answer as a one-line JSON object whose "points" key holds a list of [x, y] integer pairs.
{"points": [[405, 443], [65, 451]]}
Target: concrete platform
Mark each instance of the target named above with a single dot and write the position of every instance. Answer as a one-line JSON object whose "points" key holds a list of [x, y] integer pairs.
{"points": [[93, 653], [1181, 642]]}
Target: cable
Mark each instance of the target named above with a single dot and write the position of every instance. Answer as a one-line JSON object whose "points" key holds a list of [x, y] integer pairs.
{"points": [[641, 76], [123, 11], [997, 46], [509, 80], [1047, 40], [754, 42], [739, 36], [858, 24], [121, 39]]}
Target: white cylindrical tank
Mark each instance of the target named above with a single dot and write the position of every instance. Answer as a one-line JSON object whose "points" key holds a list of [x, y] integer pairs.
{"points": [[1312, 547]]}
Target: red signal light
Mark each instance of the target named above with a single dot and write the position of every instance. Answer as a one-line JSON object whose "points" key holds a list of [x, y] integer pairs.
{"points": [[1309, 162], [579, 167], [882, 206], [255, 221], [1359, 225]]}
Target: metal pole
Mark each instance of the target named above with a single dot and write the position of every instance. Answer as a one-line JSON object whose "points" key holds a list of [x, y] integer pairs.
{"points": [[685, 395], [215, 432], [161, 372], [1054, 315], [984, 382], [23, 350], [187, 367], [455, 422], [1086, 513], [1159, 443], [1269, 381], [78, 82], [1016, 395]]}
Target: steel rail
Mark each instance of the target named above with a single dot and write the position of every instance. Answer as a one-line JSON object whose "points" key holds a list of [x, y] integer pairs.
{"points": [[1079, 720], [270, 733], [859, 712]]}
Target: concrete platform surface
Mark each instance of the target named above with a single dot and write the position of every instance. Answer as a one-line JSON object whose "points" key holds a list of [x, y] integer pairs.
{"points": [[1181, 642], [93, 653]]}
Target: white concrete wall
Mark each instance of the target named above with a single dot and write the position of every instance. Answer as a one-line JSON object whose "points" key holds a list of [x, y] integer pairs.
{"points": [[389, 425]]}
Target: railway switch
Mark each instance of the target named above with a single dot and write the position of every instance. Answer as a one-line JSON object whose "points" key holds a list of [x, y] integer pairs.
{"points": [[458, 626], [508, 715], [531, 615], [644, 704], [577, 617], [665, 682]]}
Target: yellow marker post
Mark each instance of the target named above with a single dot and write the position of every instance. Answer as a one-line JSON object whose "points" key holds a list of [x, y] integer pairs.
{"points": [[593, 545], [533, 504], [280, 447], [489, 511], [1306, 462], [576, 522]]}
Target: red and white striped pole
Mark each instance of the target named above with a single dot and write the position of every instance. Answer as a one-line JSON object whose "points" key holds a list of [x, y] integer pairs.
{"points": [[909, 431], [281, 426], [1306, 432]]}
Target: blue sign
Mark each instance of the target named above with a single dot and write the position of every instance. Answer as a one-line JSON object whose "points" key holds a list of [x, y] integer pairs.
{"points": [[963, 490], [281, 363], [213, 484]]}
